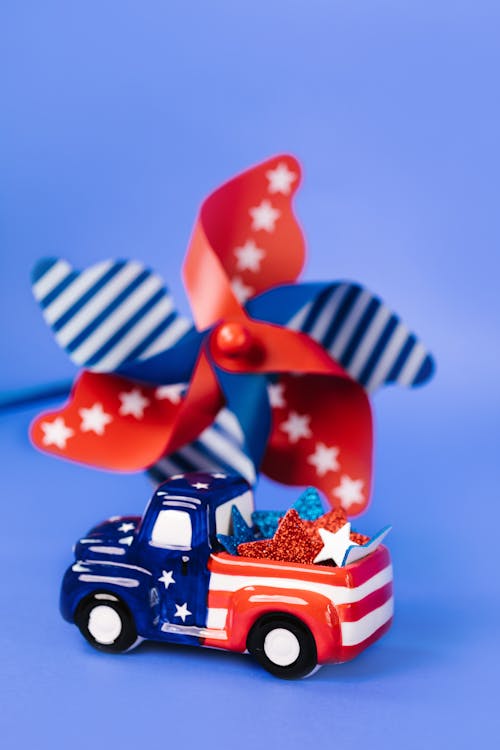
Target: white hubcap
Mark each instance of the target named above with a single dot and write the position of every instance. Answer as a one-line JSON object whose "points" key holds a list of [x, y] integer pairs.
{"points": [[105, 624], [281, 647]]}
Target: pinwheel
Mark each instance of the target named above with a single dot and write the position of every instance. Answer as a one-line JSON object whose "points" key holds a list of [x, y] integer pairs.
{"points": [[273, 376]]}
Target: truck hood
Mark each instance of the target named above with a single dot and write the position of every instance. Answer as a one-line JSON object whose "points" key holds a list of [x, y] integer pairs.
{"points": [[109, 540]]}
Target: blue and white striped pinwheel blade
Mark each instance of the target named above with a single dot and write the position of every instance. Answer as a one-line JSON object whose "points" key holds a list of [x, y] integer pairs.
{"points": [[113, 313], [354, 326]]}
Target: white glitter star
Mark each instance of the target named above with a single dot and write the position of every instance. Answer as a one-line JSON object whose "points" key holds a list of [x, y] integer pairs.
{"points": [[264, 216], [335, 545], [94, 419], [56, 433], [171, 392], [297, 426], [133, 402], [324, 459], [167, 577], [182, 611], [349, 491], [280, 179], [276, 395], [241, 291], [249, 256]]}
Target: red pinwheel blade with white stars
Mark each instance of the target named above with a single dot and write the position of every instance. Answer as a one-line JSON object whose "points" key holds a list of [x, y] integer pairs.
{"points": [[112, 423], [322, 436], [239, 240]]}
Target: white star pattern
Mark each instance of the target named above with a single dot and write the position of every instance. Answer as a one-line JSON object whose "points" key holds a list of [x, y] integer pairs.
{"points": [[200, 486], [167, 577], [335, 545], [349, 491], [296, 426], [182, 611], [94, 419], [280, 179], [249, 256], [276, 395], [171, 392], [56, 433], [324, 459], [242, 292], [264, 216], [133, 402], [126, 527]]}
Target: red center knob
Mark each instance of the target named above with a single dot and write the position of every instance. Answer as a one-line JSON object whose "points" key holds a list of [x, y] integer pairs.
{"points": [[233, 339]]}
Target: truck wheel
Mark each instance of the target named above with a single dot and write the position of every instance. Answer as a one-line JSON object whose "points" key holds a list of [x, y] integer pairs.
{"points": [[283, 645], [106, 623]]}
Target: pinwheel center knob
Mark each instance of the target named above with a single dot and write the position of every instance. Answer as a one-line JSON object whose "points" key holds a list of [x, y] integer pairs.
{"points": [[233, 339]]}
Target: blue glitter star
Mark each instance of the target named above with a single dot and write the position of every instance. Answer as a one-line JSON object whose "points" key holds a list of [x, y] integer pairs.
{"points": [[308, 506], [242, 532]]}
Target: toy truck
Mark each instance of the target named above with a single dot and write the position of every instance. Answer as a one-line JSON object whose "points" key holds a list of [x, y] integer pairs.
{"points": [[164, 577]]}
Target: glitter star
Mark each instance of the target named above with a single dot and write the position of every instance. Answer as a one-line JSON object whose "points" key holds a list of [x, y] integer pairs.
{"points": [[280, 179], [296, 426], [264, 216], [349, 491], [276, 395], [172, 393], [308, 506], [242, 532], [182, 611], [242, 292], [94, 419], [167, 577], [324, 459], [133, 402], [249, 256], [335, 545], [56, 433], [291, 542]]}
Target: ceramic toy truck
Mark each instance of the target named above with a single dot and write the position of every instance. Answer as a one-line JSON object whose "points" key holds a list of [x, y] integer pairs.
{"points": [[163, 577]]}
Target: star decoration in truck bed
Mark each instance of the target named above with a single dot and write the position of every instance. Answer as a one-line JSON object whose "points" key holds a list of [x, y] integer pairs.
{"points": [[273, 375]]}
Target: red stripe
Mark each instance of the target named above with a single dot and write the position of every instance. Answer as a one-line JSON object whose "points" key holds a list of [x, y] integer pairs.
{"points": [[357, 610]]}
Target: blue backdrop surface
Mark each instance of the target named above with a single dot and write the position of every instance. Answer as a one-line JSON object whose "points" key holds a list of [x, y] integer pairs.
{"points": [[117, 119]]}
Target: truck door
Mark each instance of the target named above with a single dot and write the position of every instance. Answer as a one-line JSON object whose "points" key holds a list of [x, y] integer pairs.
{"points": [[178, 554]]}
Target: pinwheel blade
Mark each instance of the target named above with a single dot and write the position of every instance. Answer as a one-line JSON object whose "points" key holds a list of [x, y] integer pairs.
{"points": [[238, 243], [108, 315], [354, 327]]}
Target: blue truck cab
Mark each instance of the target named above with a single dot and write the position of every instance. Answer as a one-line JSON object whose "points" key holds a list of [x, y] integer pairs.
{"points": [[135, 578]]}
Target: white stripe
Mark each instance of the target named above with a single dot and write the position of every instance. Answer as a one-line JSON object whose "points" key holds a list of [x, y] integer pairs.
{"points": [[350, 323], [167, 467], [51, 279], [367, 343], [137, 333], [413, 364], [356, 632], [118, 317], [299, 318], [168, 338], [229, 422], [328, 312], [337, 594], [216, 617], [193, 630], [386, 361], [228, 452], [108, 550], [127, 582], [116, 565], [98, 303], [196, 457], [75, 290]]}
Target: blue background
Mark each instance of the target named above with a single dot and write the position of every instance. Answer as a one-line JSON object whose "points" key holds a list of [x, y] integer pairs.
{"points": [[117, 118]]}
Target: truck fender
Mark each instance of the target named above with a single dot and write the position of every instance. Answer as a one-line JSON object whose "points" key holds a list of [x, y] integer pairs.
{"points": [[316, 611]]}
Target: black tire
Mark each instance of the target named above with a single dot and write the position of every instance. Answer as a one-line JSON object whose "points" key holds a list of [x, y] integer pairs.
{"points": [[283, 645], [106, 623]]}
